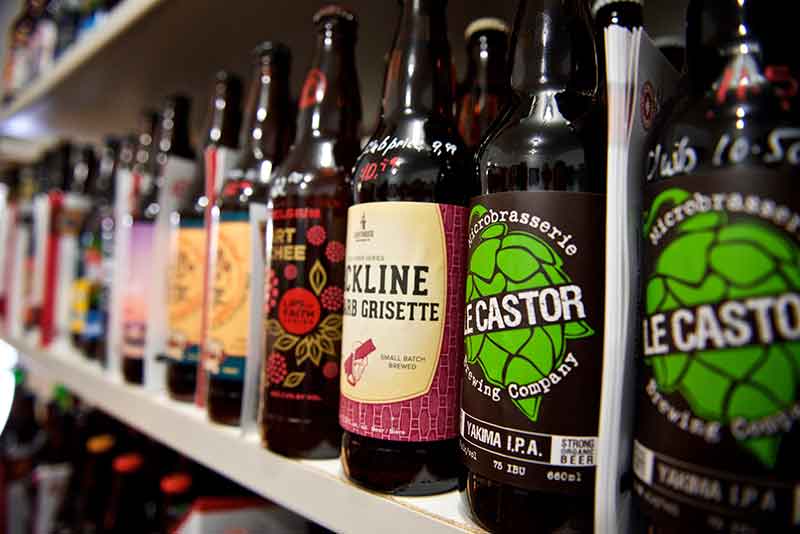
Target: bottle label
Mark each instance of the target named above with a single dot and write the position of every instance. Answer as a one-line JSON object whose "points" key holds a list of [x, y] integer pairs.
{"points": [[303, 299], [85, 288], [230, 300], [717, 432], [402, 343], [533, 335], [185, 292], [81, 288], [137, 290]]}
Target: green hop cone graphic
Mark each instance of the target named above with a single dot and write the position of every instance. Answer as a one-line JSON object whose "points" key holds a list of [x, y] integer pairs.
{"points": [[506, 261], [711, 261]]}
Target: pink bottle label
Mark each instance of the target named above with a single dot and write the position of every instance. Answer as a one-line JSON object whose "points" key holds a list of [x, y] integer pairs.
{"points": [[402, 346]]}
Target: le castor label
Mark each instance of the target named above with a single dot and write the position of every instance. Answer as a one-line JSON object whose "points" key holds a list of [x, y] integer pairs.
{"points": [[401, 343], [533, 339], [185, 292], [229, 315], [716, 435]]}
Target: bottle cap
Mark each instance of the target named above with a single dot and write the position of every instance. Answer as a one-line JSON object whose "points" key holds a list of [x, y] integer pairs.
{"points": [[271, 48], [334, 11], [485, 24], [100, 443], [175, 483], [600, 4], [128, 463]]}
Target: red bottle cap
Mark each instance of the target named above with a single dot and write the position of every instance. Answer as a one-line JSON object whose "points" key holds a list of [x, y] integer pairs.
{"points": [[128, 463], [176, 483]]}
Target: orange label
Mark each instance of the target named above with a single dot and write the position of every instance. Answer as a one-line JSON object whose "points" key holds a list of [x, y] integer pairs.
{"points": [[230, 307], [185, 291]]}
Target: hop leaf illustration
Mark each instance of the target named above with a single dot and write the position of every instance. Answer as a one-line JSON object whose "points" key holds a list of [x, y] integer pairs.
{"points": [[711, 261], [507, 261]]}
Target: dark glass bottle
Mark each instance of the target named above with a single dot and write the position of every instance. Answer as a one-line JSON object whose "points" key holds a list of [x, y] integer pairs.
{"points": [[412, 184], [266, 139], [97, 248], [127, 509], [310, 193], [542, 197], [187, 273], [719, 233], [177, 495], [482, 95], [159, 141], [91, 499], [78, 205], [67, 207], [9, 221]]}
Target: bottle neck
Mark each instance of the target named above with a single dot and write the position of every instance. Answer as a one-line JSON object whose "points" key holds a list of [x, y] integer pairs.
{"points": [[553, 47], [268, 113], [174, 138], [419, 76], [330, 103], [487, 60], [226, 118]]}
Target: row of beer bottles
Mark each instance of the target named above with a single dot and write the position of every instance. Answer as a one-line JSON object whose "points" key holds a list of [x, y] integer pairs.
{"points": [[66, 467], [719, 195]]}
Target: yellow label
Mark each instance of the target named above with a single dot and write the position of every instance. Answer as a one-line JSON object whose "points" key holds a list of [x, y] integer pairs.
{"points": [[395, 293], [230, 307], [185, 291], [80, 304]]}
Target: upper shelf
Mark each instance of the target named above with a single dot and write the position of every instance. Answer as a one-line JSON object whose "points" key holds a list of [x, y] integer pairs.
{"points": [[316, 489], [151, 48], [148, 49]]}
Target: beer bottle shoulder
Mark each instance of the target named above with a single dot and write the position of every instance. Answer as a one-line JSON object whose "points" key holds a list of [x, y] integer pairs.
{"points": [[701, 135], [415, 159], [534, 147], [320, 169]]}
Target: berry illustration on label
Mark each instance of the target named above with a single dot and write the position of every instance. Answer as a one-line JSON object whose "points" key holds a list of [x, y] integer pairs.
{"points": [[723, 316], [522, 309]]}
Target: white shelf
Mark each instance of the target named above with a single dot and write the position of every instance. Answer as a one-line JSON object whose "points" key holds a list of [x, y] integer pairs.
{"points": [[119, 20], [317, 489], [148, 49]]}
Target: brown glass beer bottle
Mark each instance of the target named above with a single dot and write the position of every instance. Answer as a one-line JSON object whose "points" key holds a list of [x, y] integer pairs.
{"points": [[402, 347], [267, 135], [721, 309], [144, 210], [174, 165], [483, 93], [188, 261], [310, 194], [531, 388]]}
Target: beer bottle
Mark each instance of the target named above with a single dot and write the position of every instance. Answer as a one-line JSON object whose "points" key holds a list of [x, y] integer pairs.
{"points": [[177, 496], [401, 346], [266, 139], [142, 170], [160, 163], [531, 388], [483, 93], [78, 206], [92, 496], [10, 196], [66, 207], [719, 376], [310, 194], [127, 509], [188, 260], [97, 248]]}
